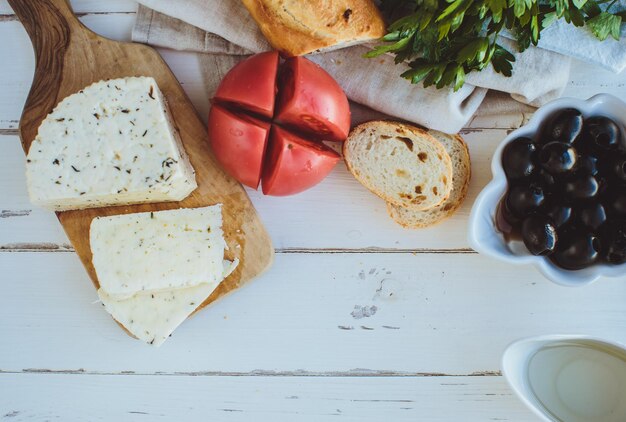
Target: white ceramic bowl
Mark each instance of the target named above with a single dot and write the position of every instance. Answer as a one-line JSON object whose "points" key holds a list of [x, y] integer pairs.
{"points": [[568, 378], [483, 235]]}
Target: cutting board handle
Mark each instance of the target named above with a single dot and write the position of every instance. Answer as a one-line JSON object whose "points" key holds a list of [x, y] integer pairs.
{"points": [[49, 24]]}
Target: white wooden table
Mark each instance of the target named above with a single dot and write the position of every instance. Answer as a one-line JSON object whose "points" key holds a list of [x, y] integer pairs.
{"points": [[357, 319]]}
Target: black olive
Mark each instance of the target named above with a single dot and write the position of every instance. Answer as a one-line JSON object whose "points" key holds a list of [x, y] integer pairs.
{"points": [[565, 126], [583, 186], [509, 218], [559, 214], [616, 243], [522, 200], [587, 164], [603, 184], [592, 215], [615, 204], [603, 132], [557, 157], [518, 158], [567, 190], [577, 248], [539, 235], [619, 169], [545, 180], [620, 203]]}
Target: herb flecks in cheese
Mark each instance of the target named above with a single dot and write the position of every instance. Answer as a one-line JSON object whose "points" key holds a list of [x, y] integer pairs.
{"points": [[156, 268], [155, 251], [113, 143], [152, 317]]}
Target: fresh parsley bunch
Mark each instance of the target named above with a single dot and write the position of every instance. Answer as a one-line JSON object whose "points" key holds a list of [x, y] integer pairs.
{"points": [[444, 40]]}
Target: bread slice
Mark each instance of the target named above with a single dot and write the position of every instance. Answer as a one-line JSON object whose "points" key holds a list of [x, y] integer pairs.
{"points": [[461, 174], [296, 27], [401, 163]]}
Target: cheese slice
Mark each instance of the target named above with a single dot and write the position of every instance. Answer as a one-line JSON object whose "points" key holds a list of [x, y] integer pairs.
{"points": [[155, 251], [112, 143], [152, 317]]}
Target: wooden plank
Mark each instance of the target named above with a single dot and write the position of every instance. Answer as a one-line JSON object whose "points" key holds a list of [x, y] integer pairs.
{"points": [[82, 59], [586, 80], [17, 73], [88, 6], [338, 213], [130, 398], [28, 224], [328, 314]]}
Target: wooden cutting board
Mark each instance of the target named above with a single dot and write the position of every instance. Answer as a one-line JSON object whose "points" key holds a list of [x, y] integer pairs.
{"points": [[68, 58]]}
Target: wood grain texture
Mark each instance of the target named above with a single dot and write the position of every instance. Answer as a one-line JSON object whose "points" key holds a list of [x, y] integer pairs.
{"points": [[304, 366], [49, 25], [68, 57], [338, 213], [71, 397], [17, 73], [312, 315], [88, 6], [586, 80]]}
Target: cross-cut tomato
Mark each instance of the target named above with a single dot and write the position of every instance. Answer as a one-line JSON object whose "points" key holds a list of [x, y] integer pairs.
{"points": [[251, 84], [294, 164], [310, 107], [239, 143], [310, 100]]}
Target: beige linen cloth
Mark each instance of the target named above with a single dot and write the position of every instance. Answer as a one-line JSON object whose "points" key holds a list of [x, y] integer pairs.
{"points": [[225, 30]]}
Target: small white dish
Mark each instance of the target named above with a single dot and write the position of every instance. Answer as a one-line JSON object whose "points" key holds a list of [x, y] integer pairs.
{"points": [[485, 238], [568, 378]]}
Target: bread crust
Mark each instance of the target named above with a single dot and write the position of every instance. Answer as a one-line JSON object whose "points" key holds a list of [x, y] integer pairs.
{"points": [[375, 125], [416, 220], [296, 27]]}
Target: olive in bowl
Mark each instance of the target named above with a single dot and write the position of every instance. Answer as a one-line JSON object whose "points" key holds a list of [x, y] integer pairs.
{"points": [[557, 199]]}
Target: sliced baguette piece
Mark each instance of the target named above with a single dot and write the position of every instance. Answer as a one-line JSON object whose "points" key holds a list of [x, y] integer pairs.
{"points": [[461, 174], [401, 163], [296, 27]]}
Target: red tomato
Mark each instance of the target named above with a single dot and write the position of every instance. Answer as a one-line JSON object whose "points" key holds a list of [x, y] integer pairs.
{"points": [[311, 100], [239, 143], [295, 164], [251, 84], [257, 142]]}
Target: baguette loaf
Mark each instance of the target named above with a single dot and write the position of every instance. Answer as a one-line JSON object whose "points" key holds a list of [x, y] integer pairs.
{"points": [[401, 163], [296, 27], [461, 173]]}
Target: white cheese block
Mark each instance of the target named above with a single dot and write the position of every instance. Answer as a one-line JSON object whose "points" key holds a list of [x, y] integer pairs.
{"points": [[154, 251], [112, 143], [152, 317]]}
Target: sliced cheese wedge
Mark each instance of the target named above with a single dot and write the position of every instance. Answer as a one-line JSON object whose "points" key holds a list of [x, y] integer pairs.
{"points": [[154, 251], [152, 317], [112, 143]]}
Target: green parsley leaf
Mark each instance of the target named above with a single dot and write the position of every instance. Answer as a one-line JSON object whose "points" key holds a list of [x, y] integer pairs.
{"points": [[444, 40], [549, 19], [605, 24]]}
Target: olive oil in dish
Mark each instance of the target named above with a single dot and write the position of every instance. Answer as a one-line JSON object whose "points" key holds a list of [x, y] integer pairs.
{"points": [[579, 381]]}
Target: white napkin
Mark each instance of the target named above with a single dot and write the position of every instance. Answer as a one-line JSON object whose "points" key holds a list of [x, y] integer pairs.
{"points": [[225, 27], [581, 44]]}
